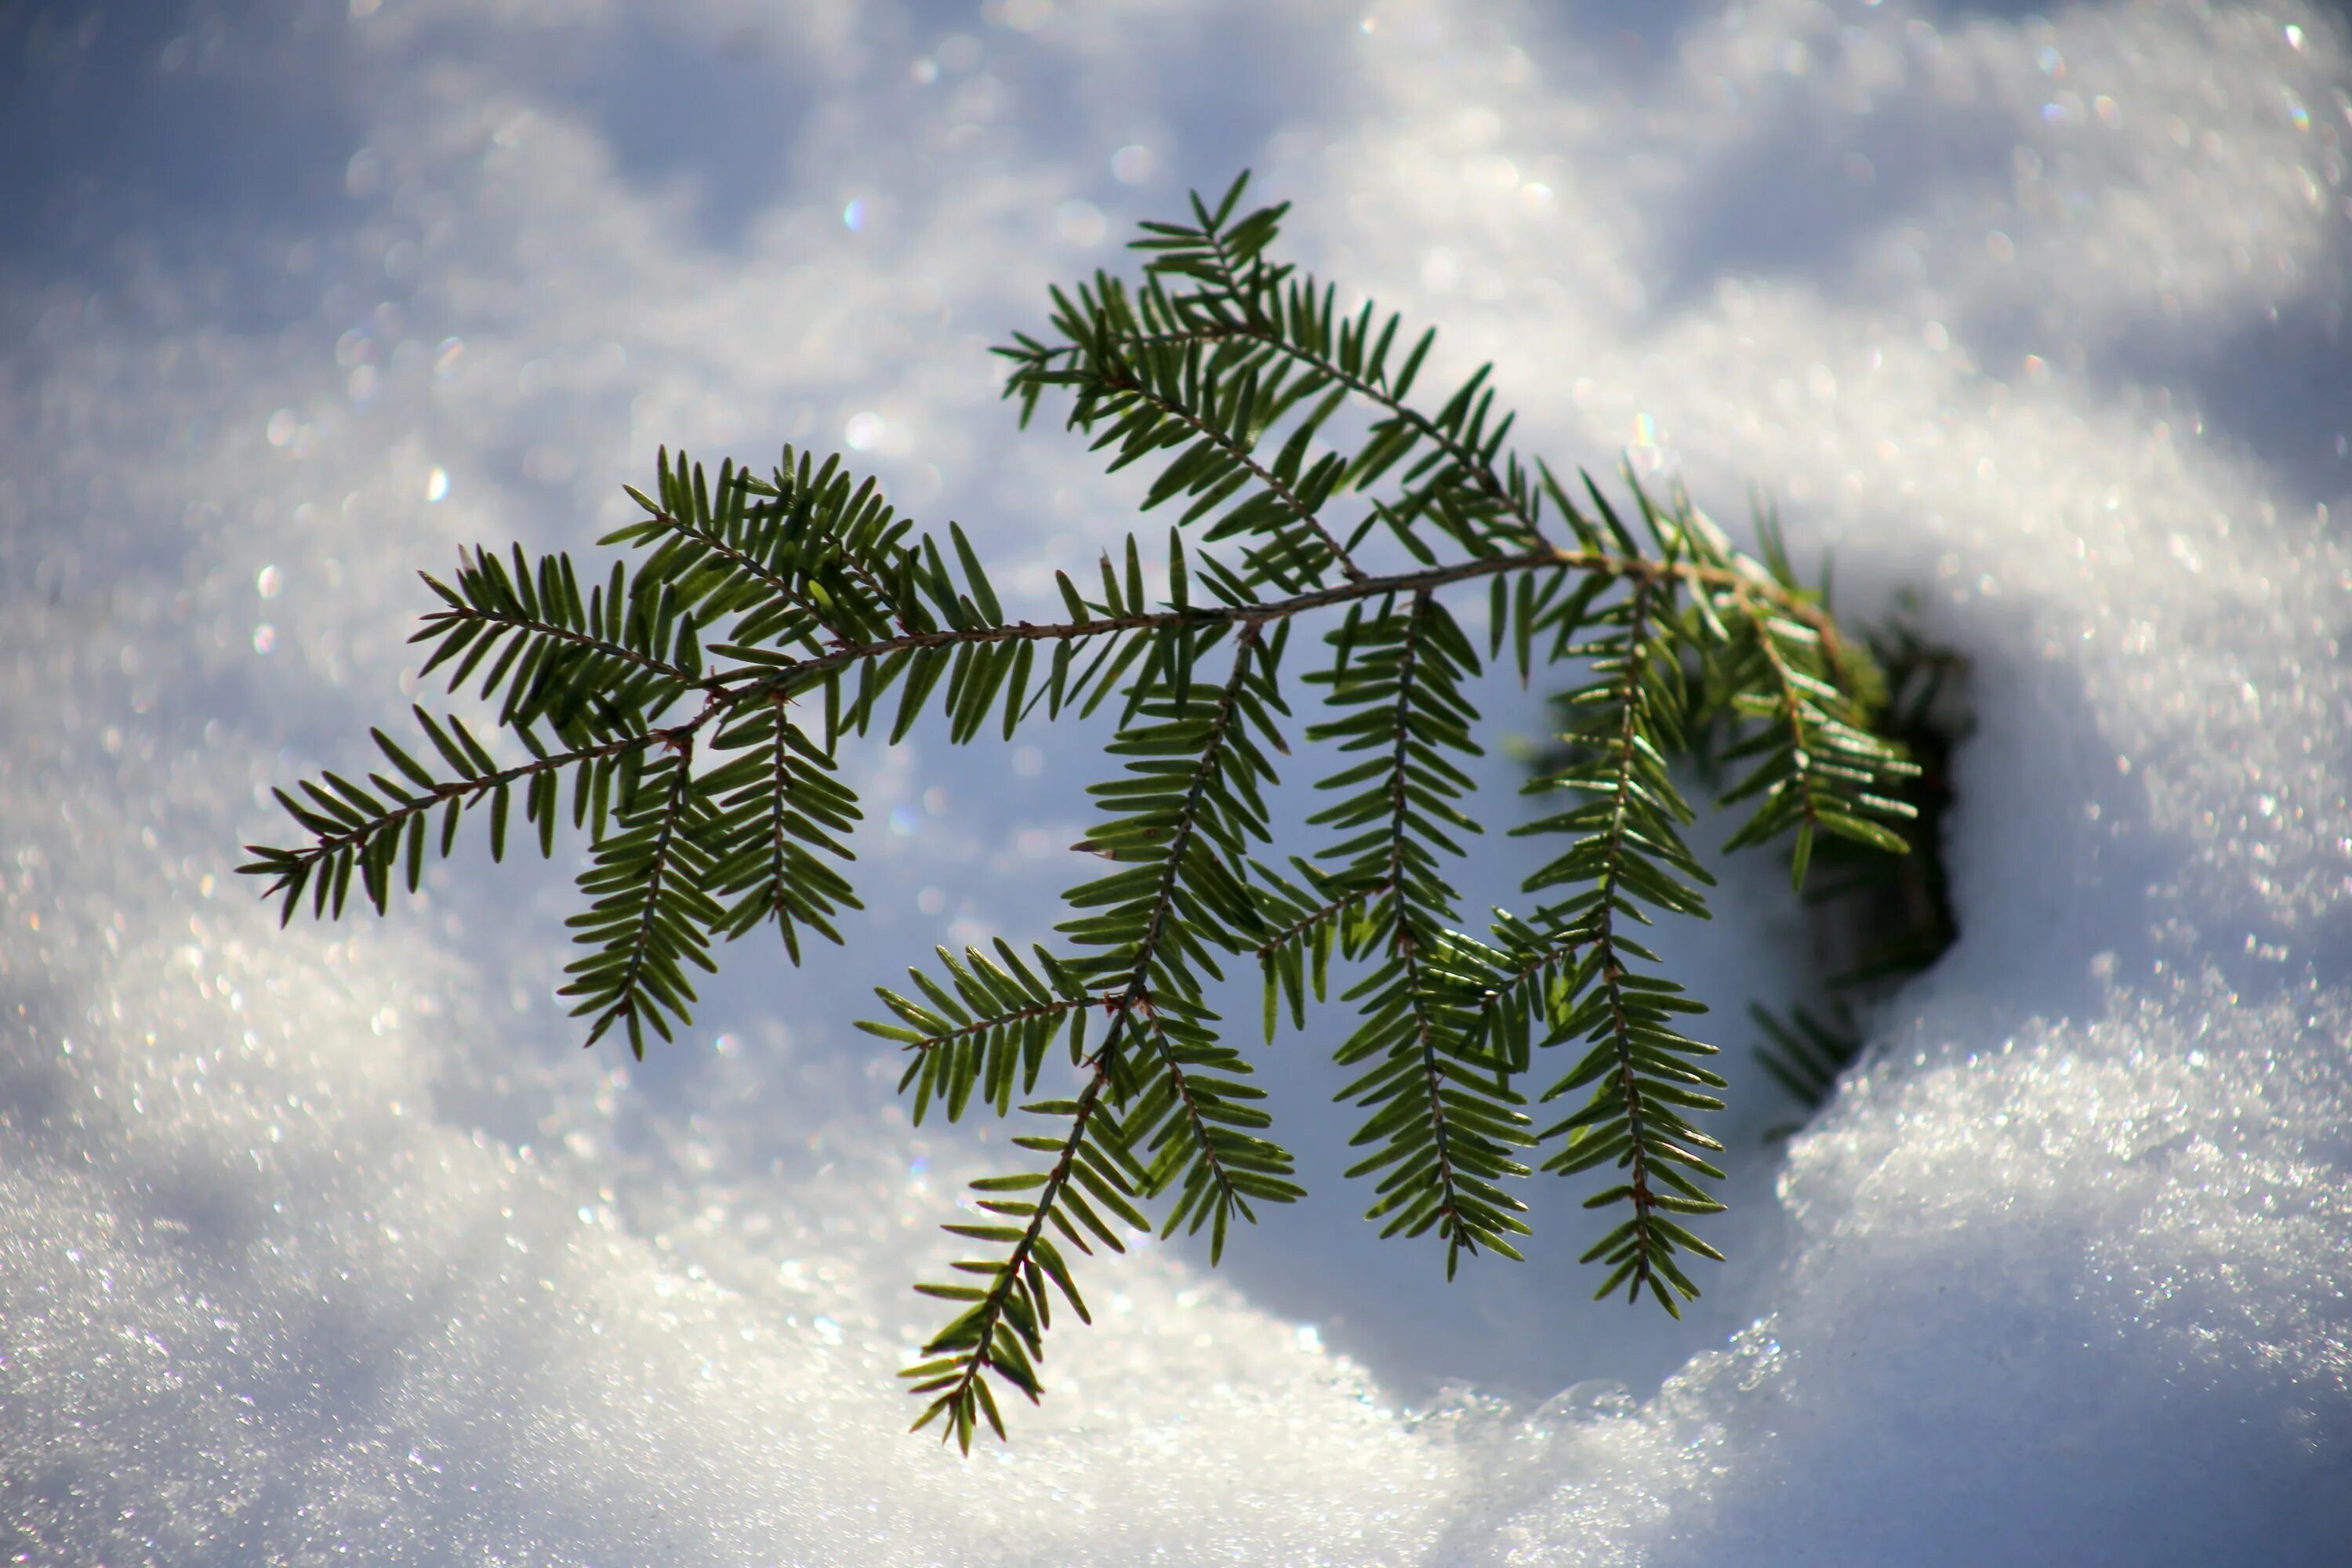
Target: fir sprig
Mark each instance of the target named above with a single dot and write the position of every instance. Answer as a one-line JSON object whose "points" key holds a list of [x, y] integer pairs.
{"points": [[692, 713]]}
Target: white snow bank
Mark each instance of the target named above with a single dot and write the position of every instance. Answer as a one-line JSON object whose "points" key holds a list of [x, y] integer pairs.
{"points": [[328, 1244]]}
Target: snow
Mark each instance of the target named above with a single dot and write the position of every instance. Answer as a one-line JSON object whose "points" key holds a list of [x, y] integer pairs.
{"points": [[330, 1243]]}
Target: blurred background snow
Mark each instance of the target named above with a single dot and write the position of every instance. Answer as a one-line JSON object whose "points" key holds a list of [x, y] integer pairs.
{"points": [[331, 1245]]}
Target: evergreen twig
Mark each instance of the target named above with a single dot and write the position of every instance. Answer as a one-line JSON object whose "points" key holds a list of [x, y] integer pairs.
{"points": [[696, 709]]}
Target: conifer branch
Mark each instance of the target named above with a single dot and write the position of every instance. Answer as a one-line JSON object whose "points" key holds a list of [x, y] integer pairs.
{"points": [[1238, 447], [672, 712], [1406, 946], [1604, 947], [982, 1340], [1321, 915], [1629, 852], [1163, 900], [1802, 781], [351, 823], [1511, 499], [497, 624], [1173, 1109], [1515, 992], [1442, 1117], [648, 913], [1209, 1163], [1304, 934], [948, 1035], [1256, 324], [754, 569]]}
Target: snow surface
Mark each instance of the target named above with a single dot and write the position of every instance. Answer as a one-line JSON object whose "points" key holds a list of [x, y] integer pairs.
{"points": [[329, 1246]]}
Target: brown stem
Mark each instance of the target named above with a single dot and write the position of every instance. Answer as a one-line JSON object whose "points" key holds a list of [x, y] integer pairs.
{"points": [[1632, 568]]}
